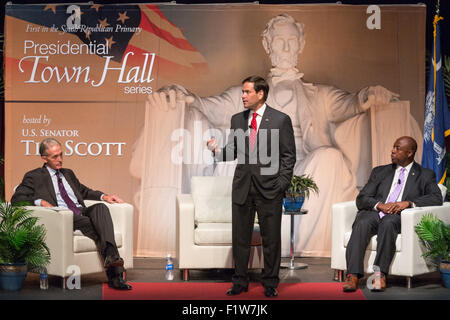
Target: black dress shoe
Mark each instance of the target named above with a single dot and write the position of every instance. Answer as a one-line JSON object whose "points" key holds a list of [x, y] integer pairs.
{"points": [[270, 292], [111, 261], [236, 289], [119, 284]]}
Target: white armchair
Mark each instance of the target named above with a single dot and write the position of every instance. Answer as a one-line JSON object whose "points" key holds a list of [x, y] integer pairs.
{"points": [[204, 227], [72, 248], [408, 260]]}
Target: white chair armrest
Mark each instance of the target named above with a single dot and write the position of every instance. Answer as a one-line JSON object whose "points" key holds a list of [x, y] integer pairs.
{"points": [[411, 245], [443, 191], [121, 214], [59, 236], [343, 216], [185, 218], [89, 203], [411, 217]]}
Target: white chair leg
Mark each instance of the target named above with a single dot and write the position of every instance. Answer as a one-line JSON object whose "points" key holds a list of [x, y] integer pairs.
{"points": [[409, 282], [341, 275], [186, 274], [338, 275]]}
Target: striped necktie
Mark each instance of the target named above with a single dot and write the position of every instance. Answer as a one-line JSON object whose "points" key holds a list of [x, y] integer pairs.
{"points": [[398, 188], [62, 190]]}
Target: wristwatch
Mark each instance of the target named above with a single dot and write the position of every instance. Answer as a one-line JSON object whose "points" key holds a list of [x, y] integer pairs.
{"points": [[411, 205]]}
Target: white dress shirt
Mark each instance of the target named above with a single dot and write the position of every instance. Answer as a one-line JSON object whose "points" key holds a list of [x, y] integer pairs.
{"points": [[260, 113], [60, 200]]}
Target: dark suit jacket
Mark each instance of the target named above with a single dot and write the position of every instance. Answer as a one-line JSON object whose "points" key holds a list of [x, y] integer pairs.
{"points": [[421, 187], [271, 163], [37, 184]]}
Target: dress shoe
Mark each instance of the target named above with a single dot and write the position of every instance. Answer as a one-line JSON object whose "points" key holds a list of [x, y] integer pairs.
{"points": [[236, 289], [119, 284], [379, 285], [351, 283], [111, 261], [270, 292]]}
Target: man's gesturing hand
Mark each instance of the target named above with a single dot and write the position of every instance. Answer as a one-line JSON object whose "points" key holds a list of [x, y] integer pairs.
{"points": [[212, 145]]}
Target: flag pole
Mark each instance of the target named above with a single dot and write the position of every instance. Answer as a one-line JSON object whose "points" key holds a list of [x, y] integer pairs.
{"points": [[435, 22], [437, 117]]}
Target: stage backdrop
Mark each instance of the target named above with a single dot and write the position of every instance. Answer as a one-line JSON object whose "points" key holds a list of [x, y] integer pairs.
{"points": [[82, 74]]}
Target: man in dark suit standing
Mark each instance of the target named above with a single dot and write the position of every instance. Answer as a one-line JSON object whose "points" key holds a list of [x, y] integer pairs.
{"points": [[390, 189], [262, 140], [54, 186]]}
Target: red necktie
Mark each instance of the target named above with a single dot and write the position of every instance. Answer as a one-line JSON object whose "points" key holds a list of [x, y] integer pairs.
{"points": [[253, 130]]}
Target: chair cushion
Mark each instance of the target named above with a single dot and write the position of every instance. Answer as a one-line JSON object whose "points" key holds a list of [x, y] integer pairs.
{"points": [[84, 244], [373, 242], [220, 234], [212, 199], [212, 209]]}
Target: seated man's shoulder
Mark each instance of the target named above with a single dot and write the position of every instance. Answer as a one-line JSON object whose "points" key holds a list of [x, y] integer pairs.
{"points": [[426, 171], [35, 171], [382, 168]]}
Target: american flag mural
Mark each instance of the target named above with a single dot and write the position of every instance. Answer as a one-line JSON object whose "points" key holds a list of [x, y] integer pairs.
{"points": [[90, 35]]}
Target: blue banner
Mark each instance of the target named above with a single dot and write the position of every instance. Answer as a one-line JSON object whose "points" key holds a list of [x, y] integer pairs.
{"points": [[437, 114]]}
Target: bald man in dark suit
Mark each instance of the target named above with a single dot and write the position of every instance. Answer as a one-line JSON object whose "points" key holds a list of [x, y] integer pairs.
{"points": [[390, 189]]}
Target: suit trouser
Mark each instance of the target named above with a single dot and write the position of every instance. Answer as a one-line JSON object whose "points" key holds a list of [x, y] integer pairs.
{"points": [[95, 223], [269, 218], [366, 225]]}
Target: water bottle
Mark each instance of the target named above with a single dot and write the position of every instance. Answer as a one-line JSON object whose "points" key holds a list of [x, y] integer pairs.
{"points": [[169, 267], [43, 279]]}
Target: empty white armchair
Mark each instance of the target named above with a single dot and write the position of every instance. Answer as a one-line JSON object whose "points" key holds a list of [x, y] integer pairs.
{"points": [[69, 248], [204, 227], [408, 260]]}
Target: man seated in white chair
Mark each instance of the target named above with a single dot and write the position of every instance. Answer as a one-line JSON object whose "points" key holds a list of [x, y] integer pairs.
{"points": [[54, 186], [390, 189]]}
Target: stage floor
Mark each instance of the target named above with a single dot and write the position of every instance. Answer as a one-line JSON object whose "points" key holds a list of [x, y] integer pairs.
{"points": [[425, 287]]}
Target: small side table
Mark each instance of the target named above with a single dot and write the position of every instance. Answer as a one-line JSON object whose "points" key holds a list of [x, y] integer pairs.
{"points": [[291, 265]]}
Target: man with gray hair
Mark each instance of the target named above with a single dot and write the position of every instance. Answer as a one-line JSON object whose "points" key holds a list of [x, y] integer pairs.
{"points": [[55, 186]]}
